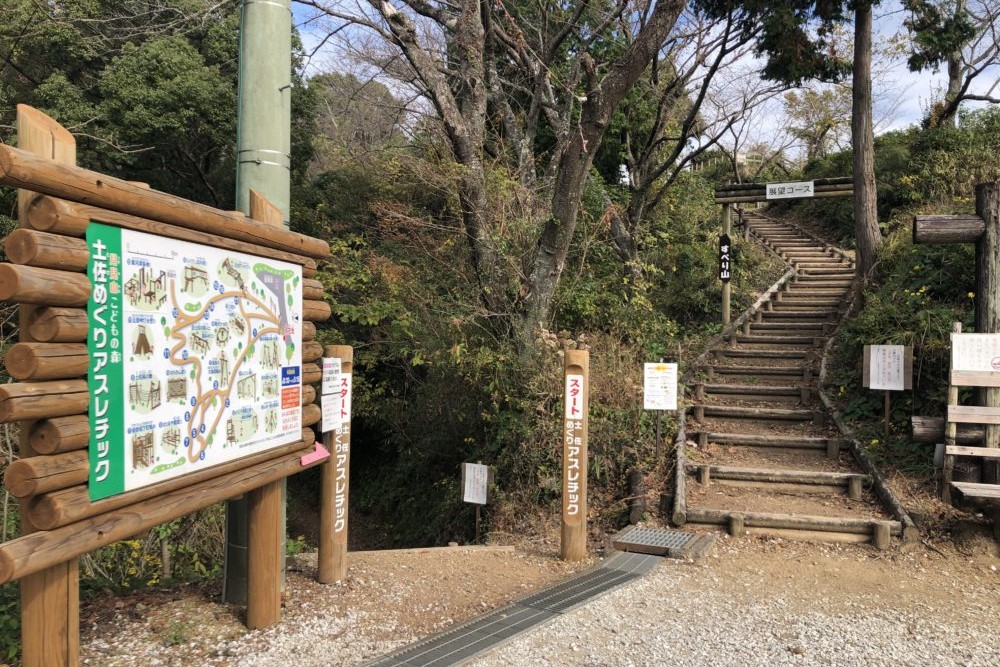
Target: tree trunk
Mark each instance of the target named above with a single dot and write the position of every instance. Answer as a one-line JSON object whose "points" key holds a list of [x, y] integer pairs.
{"points": [[863, 138]]}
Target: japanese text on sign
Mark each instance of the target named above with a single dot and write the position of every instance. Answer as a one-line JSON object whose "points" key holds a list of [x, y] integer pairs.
{"points": [[790, 190], [476, 482], [887, 367], [659, 386], [975, 352], [725, 258], [573, 431], [341, 451]]}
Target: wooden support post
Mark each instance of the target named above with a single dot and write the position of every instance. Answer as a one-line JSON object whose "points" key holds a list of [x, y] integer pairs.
{"points": [[336, 477], [887, 416], [574, 485], [950, 432], [854, 485], [737, 527], [703, 439], [833, 448], [50, 599], [988, 299], [881, 535], [264, 555], [699, 413], [704, 475]]}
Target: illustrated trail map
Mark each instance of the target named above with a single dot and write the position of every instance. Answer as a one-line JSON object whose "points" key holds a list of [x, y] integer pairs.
{"points": [[195, 357]]}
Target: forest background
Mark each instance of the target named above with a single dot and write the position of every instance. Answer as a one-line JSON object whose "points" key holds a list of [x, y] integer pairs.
{"points": [[500, 185]]}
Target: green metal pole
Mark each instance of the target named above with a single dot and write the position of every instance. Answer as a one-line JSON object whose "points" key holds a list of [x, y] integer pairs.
{"points": [[263, 147]]}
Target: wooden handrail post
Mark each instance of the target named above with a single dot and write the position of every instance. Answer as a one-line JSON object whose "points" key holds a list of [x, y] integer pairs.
{"points": [[988, 299], [336, 477], [574, 479]]}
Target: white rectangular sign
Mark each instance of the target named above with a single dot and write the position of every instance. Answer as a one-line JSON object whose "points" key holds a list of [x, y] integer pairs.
{"points": [[659, 386], [887, 367], [196, 357], [789, 190], [331, 375], [476, 477], [330, 404], [975, 352]]}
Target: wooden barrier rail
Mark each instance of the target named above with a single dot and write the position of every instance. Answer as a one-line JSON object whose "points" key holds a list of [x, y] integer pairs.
{"points": [[20, 169]]}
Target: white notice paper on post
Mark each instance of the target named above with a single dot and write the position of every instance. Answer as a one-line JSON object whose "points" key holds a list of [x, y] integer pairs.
{"points": [[476, 480], [886, 367], [330, 405], [659, 386], [331, 375]]}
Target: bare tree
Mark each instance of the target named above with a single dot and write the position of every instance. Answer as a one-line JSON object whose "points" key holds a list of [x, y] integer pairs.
{"points": [[495, 76]]}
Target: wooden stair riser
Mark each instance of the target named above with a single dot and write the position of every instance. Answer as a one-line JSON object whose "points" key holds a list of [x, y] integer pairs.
{"points": [[758, 354], [769, 414], [831, 446], [875, 530], [746, 392]]}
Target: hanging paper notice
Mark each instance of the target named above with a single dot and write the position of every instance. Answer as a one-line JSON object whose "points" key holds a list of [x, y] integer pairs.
{"points": [[331, 375], [659, 386], [330, 404]]}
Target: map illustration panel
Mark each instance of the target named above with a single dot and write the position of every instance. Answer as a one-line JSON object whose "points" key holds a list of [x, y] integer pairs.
{"points": [[195, 357]]}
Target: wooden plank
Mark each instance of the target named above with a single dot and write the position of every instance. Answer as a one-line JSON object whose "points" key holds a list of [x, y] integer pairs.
{"points": [[20, 169], [947, 228], [973, 490], [59, 216], [60, 508], [973, 414], [985, 452], [975, 378], [38, 551]]}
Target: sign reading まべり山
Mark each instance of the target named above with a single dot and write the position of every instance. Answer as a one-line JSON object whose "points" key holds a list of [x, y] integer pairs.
{"points": [[195, 357]]}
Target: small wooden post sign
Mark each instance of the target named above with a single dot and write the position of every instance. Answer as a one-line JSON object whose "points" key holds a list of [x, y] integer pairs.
{"points": [[574, 487], [659, 386], [337, 471], [477, 479], [889, 368]]}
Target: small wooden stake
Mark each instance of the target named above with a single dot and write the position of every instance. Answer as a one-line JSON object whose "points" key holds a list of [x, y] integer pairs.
{"points": [[736, 525], [881, 536]]}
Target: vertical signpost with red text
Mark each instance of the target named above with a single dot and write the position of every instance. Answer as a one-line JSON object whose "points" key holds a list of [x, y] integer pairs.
{"points": [[574, 486], [336, 401]]}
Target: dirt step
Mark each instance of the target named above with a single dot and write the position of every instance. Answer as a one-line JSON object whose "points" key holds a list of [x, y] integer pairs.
{"points": [[790, 371], [831, 446], [837, 529], [759, 354], [816, 291], [793, 307], [805, 299], [851, 483], [738, 412], [789, 326], [817, 317], [833, 272], [752, 391], [813, 265], [778, 339]]}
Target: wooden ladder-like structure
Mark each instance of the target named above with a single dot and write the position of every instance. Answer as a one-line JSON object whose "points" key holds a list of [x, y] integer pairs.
{"points": [[766, 459]]}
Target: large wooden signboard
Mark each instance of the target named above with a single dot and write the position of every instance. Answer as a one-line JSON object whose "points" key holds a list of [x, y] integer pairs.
{"points": [[195, 357], [975, 359]]}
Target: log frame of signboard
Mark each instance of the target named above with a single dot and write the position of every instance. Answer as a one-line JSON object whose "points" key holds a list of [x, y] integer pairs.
{"points": [[47, 278]]}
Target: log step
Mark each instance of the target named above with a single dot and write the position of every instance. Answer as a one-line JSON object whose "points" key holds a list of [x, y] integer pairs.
{"points": [[799, 371], [852, 483], [739, 412], [751, 391], [786, 327], [797, 315], [798, 522], [778, 340], [760, 354], [831, 445]]}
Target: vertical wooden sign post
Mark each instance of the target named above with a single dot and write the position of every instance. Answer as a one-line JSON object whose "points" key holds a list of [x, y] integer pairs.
{"points": [[50, 599], [574, 486], [336, 474], [725, 260]]}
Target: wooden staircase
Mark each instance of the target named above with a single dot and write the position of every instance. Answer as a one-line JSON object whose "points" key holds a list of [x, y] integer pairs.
{"points": [[761, 454]]}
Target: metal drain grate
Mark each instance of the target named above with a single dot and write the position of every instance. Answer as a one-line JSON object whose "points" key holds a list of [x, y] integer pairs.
{"points": [[458, 645], [663, 542]]}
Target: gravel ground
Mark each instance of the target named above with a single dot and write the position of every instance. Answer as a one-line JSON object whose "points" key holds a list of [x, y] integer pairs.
{"points": [[754, 601], [686, 614]]}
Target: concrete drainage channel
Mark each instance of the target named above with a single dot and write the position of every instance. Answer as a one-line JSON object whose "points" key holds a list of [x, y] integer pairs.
{"points": [[645, 549]]}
